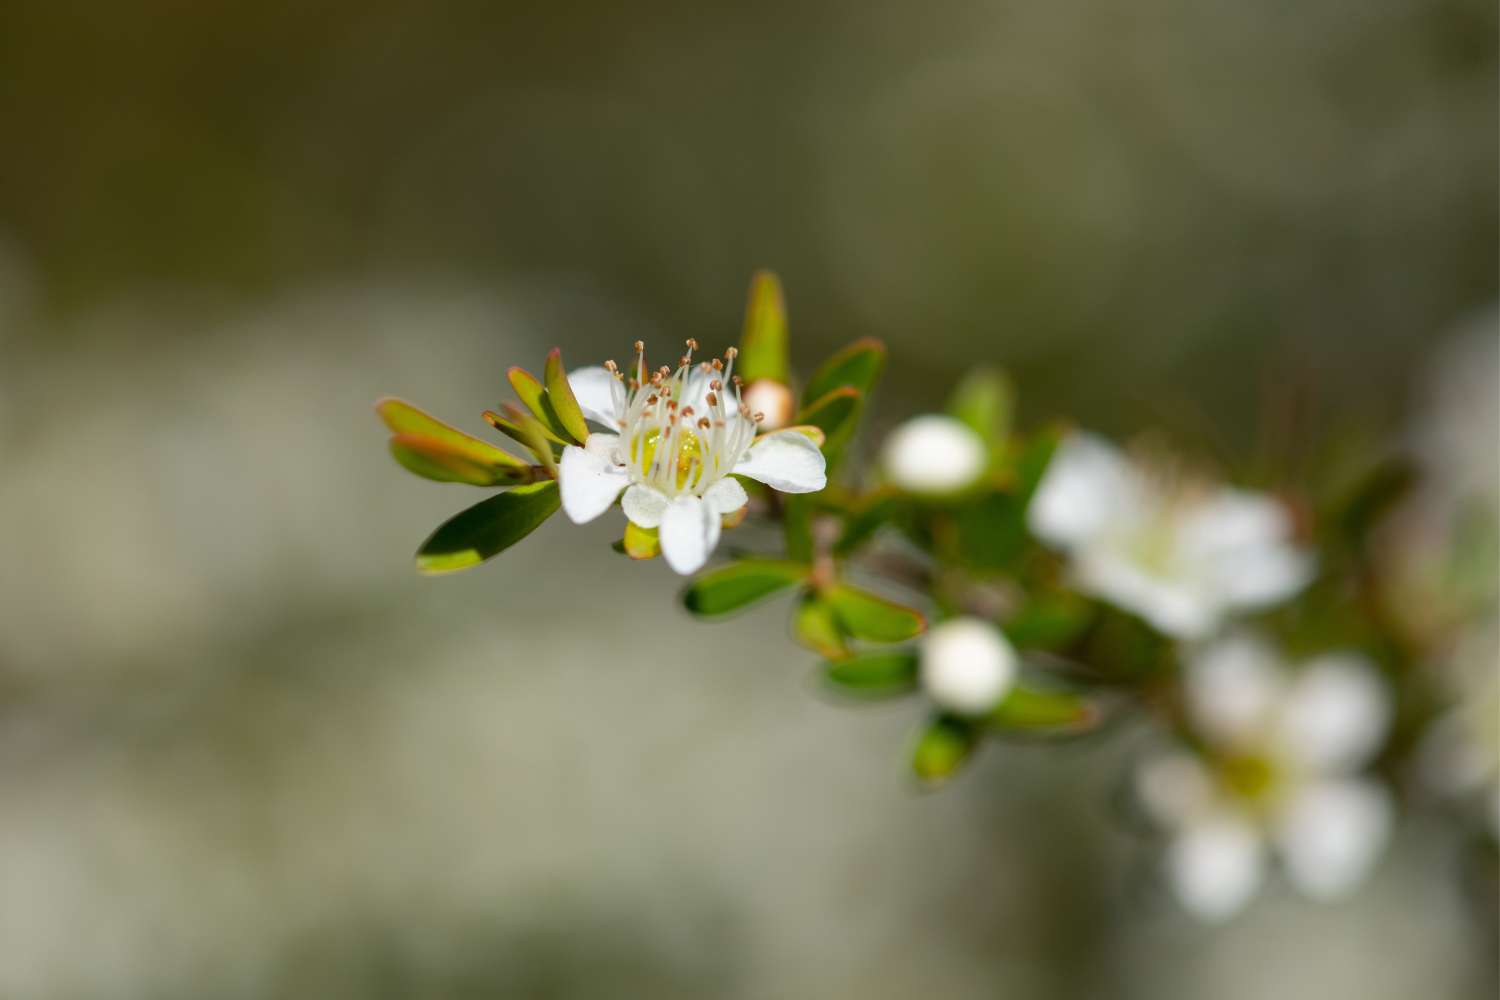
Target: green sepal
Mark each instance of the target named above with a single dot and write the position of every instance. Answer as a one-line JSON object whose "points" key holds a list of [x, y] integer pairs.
{"points": [[874, 674], [561, 400], [488, 528], [739, 585], [943, 747], [868, 616], [857, 365], [639, 542], [763, 345]]}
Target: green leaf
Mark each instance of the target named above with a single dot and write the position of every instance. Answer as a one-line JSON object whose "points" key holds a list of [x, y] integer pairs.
{"points": [[880, 674], [1049, 621], [403, 418], [834, 414], [763, 346], [533, 435], [639, 542], [816, 627], [1032, 709], [534, 395], [877, 510], [488, 528], [796, 523], [513, 431], [942, 748], [985, 400], [873, 618], [740, 585], [560, 396], [857, 365], [446, 462]]}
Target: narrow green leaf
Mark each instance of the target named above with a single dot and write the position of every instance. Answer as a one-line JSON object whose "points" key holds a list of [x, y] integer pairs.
{"points": [[880, 674], [560, 396], [513, 431], [858, 365], [640, 543], [534, 395], [763, 346], [447, 462], [985, 400], [488, 528], [403, 418], [740, 585], [873, 618], [1031, 709], [533, 435], [796, 524], [833, 413], [1049, 621], [878, 510], [942, 748], [815, 626]]}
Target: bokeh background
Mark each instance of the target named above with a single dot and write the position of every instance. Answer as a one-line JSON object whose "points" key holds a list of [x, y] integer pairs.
{"points": [[245, 751]]}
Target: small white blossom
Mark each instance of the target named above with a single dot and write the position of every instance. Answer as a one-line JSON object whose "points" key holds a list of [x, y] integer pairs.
{"points": [[1181, 556], [675, 439], [1280, 772], [934, 454], [967, 665]]}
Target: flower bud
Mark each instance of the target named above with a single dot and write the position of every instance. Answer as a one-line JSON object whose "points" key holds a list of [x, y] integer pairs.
{"points": [[772, 398], [967, 665], [934, 454]]}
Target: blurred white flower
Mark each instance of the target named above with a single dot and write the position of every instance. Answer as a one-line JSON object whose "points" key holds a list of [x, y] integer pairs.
{"points": [[1182, 556], [680, 436], [1280, 771], [934, 454], [967, 665], [1460, 753], [772, 400]]}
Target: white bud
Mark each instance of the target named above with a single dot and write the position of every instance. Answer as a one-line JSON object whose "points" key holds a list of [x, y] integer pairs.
{"points": [[773, 398], [934, 454], [967, 665]]}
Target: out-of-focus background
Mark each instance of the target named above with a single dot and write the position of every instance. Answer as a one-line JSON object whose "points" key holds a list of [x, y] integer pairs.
{"points": [[245, 751]]}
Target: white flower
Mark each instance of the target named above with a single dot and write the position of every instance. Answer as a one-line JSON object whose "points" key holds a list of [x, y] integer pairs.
{"points": [[934, 454], [1281, 771], [677, 437], [967, 665], [1182, 557]]}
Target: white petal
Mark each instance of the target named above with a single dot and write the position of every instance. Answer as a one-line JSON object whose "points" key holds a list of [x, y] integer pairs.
{"points": [[1078, 495], [589, 483], [1331, 833], [785, 461], [1337, 714], [1178, 608], [1216, 866], [967, 665], [689, 532], [644, 505], [1242, 541], [1233, 688], [600, 395], [934, 454], [726, 496], [1175, 788]]}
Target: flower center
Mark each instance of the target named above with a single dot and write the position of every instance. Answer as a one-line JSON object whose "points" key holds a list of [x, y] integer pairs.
{"points": [[684, 430]]}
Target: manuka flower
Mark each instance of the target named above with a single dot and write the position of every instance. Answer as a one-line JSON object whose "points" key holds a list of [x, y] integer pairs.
{"points": [[1181, 555], [675, 442], [1281, 761]]}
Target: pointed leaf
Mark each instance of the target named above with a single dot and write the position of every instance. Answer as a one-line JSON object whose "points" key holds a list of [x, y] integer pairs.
{"points": [[740, 585], [513, 431], [403, 418], [447, 462], [942, 749], [763, 347], [533, 436], [1032, 709], [985, 400], [873, 618], [488, 528], [534, 395], [560, 396], [857, 365], [877, 674], [641, 543], [815, 626], [833, 413]]}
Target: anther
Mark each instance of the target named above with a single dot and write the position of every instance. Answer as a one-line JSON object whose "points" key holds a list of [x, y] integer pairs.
{"points": [[759, 416], [692, 344], [711, 399], [640, 346], [704, 423], [732, 353]]}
